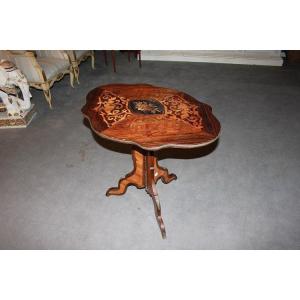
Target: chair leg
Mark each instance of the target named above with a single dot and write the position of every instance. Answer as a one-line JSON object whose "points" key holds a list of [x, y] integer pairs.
{"points": [[93, 60], [48, 97], [105, 57], [72, 77], [139, 56], [113, 60], [76, 73]]}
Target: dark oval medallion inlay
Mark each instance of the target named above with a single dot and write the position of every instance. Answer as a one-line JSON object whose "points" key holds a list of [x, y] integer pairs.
{"points": [[146, 107]]}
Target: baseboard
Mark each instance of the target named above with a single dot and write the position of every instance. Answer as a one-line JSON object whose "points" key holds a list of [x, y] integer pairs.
{"points": [[266, 58]]}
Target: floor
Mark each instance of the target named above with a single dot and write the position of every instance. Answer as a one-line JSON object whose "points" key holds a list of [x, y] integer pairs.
{"points": [[242, 194]]}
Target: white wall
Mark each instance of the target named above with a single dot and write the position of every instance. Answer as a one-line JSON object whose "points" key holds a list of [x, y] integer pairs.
{"points": [[247, 57]]}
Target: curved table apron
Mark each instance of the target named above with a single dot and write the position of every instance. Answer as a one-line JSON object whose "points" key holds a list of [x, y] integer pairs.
{"points": [[149, 118]]}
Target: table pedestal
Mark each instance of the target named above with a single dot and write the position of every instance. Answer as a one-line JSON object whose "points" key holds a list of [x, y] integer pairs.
{"points": [[145, 174]]}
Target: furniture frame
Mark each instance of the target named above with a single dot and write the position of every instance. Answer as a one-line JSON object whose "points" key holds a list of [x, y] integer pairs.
{"points": [[149, 118], [77, 60], [42, 83], [137, 54], [145, 175]]}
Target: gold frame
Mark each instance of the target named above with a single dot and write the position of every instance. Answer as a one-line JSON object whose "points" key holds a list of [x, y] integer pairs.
{"points": [[45, 83], [77, 61]]}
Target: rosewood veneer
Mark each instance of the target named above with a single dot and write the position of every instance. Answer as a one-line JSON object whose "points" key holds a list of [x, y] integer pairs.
{"points": [[149, 118]]}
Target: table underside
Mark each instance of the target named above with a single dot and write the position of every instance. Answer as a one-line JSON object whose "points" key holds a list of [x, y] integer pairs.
{"points": [[145, 175]]}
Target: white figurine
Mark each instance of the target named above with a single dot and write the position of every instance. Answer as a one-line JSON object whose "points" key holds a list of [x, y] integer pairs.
{"points": [[10, 77]]}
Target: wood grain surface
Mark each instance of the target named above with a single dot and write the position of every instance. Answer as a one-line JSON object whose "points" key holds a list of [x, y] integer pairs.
{"points": [[150, 117]]}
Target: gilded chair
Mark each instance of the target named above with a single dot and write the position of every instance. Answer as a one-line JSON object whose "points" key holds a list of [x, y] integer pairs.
{"points": [[43, 68], [77, 57], [58, 57]]}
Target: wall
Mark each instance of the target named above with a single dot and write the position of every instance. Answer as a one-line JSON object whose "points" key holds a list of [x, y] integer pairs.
{"points": [[248, 57]]}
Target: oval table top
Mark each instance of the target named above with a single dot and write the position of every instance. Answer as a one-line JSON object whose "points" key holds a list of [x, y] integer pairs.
{"points": [[150, 117]]}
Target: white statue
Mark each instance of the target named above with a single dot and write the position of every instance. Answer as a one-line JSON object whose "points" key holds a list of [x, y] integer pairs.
{"points": [[10, 77]]}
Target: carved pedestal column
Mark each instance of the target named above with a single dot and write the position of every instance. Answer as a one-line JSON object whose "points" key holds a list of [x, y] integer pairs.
{"points": [[145, 174]]}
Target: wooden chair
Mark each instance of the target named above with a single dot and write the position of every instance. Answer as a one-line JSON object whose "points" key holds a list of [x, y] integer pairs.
{"points": [[137, 55], [113, 59]]}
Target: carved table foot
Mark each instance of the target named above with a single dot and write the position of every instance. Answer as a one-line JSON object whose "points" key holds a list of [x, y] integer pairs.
{"points": [[145, 174], [162, 173], [135, 177]]}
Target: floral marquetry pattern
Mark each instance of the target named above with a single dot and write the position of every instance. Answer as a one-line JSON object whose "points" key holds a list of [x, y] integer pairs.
{"points": [[177, 108], [150, 117], [112, 108], [146, 107]]}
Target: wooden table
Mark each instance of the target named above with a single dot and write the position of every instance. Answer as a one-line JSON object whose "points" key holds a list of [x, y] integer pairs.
{"points": [[149, 118]]}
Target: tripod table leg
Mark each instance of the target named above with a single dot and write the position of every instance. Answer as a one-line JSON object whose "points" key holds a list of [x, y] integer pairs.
{"points": [[135, 177], [145, 174], [150, 161]]}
